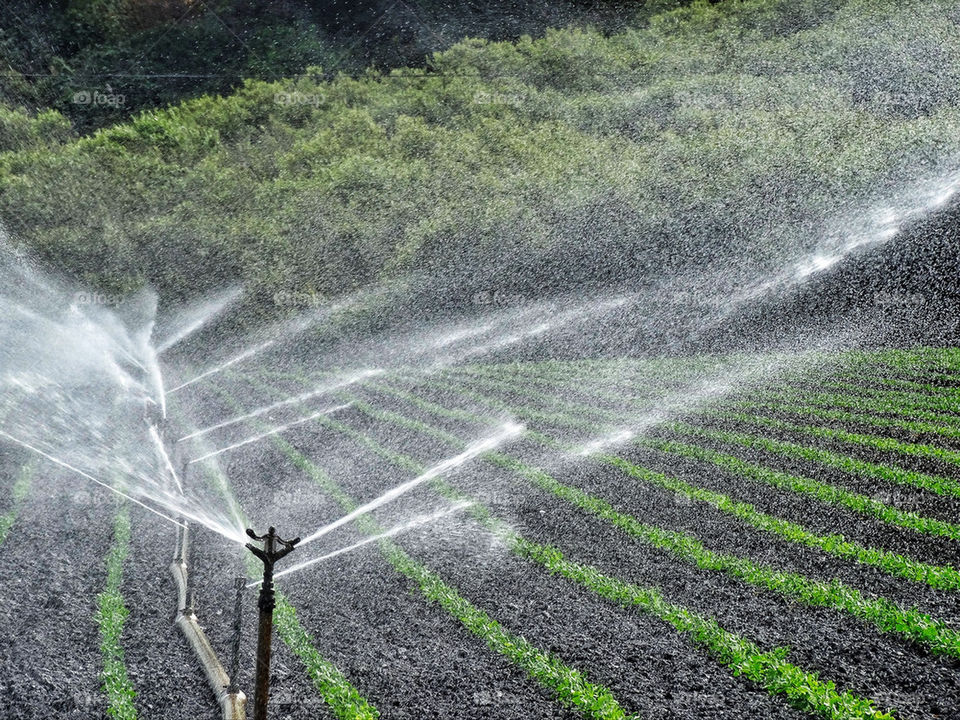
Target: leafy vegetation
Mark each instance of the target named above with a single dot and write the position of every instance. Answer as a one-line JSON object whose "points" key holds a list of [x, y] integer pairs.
{"points": [[934, 483], [110, 617], [343, 699], [18, 494], [883, 613], [490, 166], [157, 52]]}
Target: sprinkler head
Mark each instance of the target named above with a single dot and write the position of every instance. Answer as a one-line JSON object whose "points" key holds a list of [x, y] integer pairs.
{"points": [[274, 547]]}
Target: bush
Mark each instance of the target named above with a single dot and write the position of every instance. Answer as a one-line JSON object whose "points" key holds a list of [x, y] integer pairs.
{"points": [[713, 131]]}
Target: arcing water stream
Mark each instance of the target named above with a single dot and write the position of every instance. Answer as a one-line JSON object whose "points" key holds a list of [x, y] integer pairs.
{"points": [[81, 374], [82, 383], [508, 431]]}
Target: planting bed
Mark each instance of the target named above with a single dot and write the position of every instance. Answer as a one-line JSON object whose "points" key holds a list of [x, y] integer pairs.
{"points": [[670, 538]]}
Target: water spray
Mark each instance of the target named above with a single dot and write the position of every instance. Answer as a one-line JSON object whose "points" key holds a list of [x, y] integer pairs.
{"points": [[274, 548]]}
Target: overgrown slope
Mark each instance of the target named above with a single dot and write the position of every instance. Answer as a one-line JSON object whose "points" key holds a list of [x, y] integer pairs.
{"points": [[729, 129]]}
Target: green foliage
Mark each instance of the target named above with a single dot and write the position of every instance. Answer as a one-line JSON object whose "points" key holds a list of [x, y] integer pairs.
{"points": [[110, 617], [837, 595], [570, 686], [344, 700], [21, 131], [18, 494], [771, 670], [497, 151]]}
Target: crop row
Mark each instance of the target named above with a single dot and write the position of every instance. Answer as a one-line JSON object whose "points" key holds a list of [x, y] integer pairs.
{"points": [[111, 614], [343, 699], [18, 495], [517, 544], [884, 614], [570, 686], [822, 491], [925, 481]]}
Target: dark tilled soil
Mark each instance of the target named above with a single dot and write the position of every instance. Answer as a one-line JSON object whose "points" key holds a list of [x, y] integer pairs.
{"points": [[160, 662], [721, 531], [52, 566], [821, 637], [648, 666], [408, 656]]}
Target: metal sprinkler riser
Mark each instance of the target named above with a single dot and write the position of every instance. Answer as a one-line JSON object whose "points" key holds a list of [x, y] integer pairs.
{"points": [[274, 548]]}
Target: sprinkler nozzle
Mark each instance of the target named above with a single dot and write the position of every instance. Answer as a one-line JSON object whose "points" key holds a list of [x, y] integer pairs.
{"points": [[270, 553]]}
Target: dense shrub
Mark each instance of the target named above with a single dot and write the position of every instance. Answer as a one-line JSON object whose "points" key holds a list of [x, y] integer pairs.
{"points": [[715, 130]]}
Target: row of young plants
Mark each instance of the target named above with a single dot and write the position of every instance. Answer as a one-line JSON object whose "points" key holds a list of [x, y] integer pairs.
{"points": [[111, 612], [20, 488], [343, 699], [937, 484], [18, 495], [825, 492], [569, 685], [110, 617], [937, 576], [673, 540], [882, 613]]}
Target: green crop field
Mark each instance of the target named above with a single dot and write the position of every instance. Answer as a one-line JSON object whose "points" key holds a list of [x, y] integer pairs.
{"points": [[773, 494]]}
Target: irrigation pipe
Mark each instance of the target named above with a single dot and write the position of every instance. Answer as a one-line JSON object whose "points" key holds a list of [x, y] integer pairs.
{"points": [[233, 705]]}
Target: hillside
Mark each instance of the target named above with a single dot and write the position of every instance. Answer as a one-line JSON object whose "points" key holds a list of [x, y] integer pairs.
{"points": [[714, 131]]}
